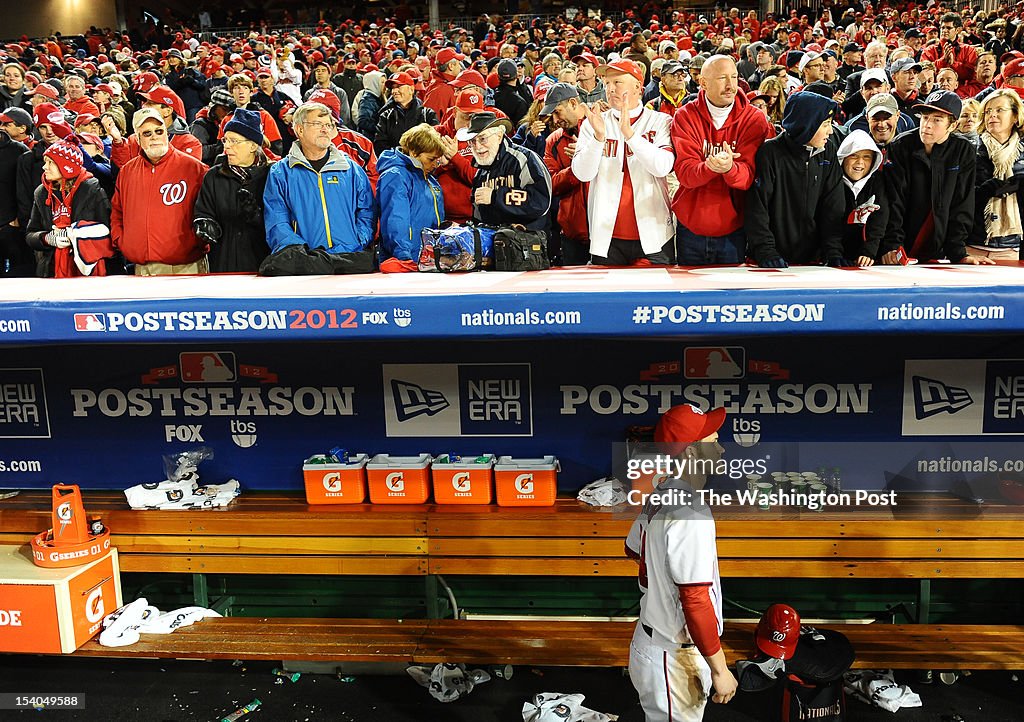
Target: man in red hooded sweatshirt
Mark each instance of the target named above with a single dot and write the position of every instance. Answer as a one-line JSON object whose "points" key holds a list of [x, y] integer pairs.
{"points": [[456, 175], [715, 138], [447, 66]]}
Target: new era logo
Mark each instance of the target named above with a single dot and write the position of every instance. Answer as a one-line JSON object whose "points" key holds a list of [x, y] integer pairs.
{"points": [[90, 322], [933, 397], [412, 400]]}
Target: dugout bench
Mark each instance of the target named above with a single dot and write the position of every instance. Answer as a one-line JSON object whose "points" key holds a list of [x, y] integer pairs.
{"points": [[274, 533]]}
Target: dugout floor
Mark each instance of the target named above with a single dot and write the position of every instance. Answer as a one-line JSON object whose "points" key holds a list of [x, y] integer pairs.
{"points": [[164, 691]]}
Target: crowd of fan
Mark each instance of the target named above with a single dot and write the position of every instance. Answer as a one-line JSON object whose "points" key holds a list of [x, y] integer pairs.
{"points": [[854, 139]]}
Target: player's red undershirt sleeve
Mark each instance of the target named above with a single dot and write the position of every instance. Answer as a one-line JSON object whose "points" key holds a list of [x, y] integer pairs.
{"points": [[701, 622]]}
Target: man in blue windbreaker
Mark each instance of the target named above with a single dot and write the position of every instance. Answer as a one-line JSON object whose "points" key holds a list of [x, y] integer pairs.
{"points": [[316, 195]]}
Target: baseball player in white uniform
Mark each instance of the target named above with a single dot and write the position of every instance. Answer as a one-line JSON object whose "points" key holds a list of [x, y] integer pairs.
{"points": [[676, 659]]}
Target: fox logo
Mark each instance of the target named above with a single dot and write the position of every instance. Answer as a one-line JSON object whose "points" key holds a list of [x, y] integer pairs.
{"points": [[524, 484], [395, 482]]}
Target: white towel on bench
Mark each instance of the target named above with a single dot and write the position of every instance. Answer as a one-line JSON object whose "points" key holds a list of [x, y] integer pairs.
{"points": [[122, 627]]}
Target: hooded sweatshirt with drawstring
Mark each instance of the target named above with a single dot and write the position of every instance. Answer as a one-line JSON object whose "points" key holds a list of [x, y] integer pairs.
{"points": [[370, 103], [867, 210]]}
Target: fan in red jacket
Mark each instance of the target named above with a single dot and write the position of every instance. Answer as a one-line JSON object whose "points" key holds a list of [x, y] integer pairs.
{"points": [[562, 105], [715, 138], [441, 94], [169, 106], [151, 213], [456, 176]]}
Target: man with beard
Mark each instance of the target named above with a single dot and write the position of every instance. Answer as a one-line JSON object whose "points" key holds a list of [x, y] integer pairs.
{"points": [[511, 185], [563, 106]]}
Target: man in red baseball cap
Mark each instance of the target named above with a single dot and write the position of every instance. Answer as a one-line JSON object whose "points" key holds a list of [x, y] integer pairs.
{"points": [[456, 175], [625, 153], [167, 103], [676, 660], [440, 92], [403, 111], [588, 85]]}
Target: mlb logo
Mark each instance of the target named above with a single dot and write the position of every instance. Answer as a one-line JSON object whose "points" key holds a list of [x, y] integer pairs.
{"points": [[90, 322], [207, 366], [714, 362]]}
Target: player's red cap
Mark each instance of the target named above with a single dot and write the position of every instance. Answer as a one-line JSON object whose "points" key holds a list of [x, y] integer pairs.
{"points": [[687, 424], [778, 631]]}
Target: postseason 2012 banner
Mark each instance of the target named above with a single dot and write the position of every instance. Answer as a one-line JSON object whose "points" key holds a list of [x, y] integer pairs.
{"points": [[922, 412]]}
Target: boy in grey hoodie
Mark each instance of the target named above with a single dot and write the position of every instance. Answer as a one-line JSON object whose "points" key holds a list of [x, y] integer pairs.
{"points": [[867, 210]]}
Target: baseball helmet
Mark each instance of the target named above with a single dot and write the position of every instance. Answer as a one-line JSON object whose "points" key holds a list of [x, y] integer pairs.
{"points": [[778, 631]]}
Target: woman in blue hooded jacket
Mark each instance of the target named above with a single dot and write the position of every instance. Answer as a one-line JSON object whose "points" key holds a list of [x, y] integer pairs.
{"points": [[410, 197]]}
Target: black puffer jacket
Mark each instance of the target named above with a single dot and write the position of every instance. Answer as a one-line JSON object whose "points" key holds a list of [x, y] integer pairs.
{"points": [[15, 257], [394, 120], [30, 177], [238, 210], [919, 185], [795, 207]]}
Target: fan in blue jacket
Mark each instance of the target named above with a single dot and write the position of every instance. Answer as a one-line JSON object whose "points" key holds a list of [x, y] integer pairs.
{"points": [[316, 195], [410, 198]]}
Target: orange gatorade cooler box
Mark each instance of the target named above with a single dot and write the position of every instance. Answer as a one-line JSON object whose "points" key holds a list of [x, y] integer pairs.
{"points": [[399, 479], [469, 480], [53, 611], [335, 483], [526, 482]]}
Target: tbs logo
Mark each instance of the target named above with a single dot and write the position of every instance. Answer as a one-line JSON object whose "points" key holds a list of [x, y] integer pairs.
{"points": [[402, 316], [243, 433]]}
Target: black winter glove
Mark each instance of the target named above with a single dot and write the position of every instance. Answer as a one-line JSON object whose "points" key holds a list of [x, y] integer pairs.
{"points": [[207, 229], [250, 205], [838, 262], [773, 260]]}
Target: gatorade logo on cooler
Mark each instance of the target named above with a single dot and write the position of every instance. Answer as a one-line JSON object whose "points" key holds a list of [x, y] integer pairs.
{"points": [[332, 481], [461, 484], [94, 608], [10, 617], [395, 483], [524, 484]]}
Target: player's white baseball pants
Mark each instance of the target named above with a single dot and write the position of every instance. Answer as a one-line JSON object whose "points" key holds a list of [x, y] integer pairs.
{"points": [[673, 686]]}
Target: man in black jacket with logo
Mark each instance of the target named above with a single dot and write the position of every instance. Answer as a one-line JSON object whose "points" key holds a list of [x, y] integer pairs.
{"points": [[402, 112], [795, 208], [930, 186]]}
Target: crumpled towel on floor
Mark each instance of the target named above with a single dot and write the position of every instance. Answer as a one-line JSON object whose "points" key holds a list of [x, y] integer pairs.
{"points": [[558, 707], [879, 688], [448, 682], [123, 626]]}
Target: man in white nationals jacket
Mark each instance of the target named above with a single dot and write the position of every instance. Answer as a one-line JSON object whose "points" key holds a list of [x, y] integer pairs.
{"points": [[626, 156]]}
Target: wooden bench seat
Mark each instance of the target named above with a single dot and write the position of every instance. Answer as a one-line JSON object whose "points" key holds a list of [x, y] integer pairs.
{"points": [[596, 643], [278, 533]]}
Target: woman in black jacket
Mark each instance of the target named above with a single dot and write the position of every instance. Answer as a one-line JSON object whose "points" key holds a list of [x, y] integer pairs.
{"points": [[999, 198], [229, 211], [70, 222]]}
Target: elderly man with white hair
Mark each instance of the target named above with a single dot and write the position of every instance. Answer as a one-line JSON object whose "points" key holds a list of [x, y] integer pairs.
{"points": [[625, 154], [511, 185]]}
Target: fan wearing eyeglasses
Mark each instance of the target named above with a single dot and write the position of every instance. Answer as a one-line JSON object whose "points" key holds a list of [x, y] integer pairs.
{"points": [[316, 195], [151, 212]]}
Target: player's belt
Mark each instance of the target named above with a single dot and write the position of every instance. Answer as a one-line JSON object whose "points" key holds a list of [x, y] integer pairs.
{"points": [[649, 631]]}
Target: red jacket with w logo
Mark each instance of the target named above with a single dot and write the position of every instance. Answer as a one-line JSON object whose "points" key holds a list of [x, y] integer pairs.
{"points": [[151, 212]]}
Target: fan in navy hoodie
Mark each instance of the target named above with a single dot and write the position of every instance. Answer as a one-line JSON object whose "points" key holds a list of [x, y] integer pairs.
{"points": [[794, 210]]}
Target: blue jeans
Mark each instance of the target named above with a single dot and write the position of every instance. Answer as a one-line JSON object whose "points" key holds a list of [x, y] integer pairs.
{"points": [[694, 250]]}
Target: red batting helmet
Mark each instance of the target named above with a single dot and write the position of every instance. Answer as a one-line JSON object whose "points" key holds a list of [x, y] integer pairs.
{"points": [[778, 631]]}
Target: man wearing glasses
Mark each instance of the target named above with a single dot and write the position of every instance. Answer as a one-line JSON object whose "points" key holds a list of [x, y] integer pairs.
{"points": [[511, 185], [950, 52], [316, 195], [151, 212]]}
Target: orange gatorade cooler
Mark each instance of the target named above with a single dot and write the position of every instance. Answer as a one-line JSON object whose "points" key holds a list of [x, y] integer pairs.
{"points": [[54, 610], [526, 482], [335, 483], [399, 479], [469, 480]]}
